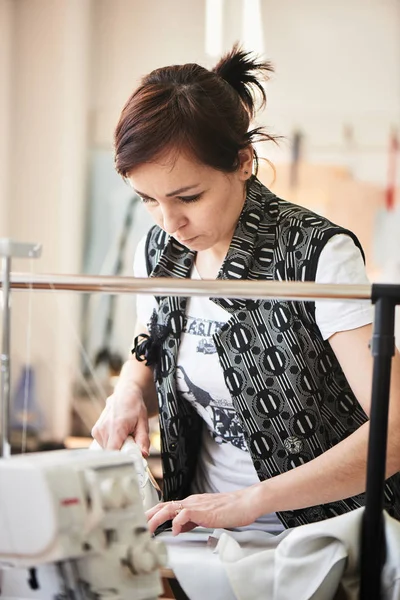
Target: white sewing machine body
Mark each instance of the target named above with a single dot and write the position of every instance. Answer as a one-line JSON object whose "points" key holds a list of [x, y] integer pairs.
{"points": [[72, 523]]}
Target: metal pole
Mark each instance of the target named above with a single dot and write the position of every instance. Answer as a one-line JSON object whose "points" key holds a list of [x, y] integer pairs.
{"points": [[8, 249], [5, 361], [373, 533], [214, 288]]}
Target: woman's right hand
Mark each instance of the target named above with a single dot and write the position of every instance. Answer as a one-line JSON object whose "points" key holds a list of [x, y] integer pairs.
{"points": [[125, 414]]}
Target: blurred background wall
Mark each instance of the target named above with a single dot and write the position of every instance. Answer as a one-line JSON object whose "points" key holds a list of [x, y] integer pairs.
{"points": [[66, 69]]}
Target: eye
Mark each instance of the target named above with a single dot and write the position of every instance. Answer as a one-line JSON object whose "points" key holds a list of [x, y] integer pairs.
{"points": [[189, 199], [147, 200]]}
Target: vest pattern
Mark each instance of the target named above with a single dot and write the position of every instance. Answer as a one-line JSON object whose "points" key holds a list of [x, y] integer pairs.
{"points": [[290, 393]]}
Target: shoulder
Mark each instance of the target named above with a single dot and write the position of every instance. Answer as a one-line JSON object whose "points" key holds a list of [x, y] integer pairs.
{"points": [[341, 261], [299, 221], [301, 237], [294, 214], [288, 215]]}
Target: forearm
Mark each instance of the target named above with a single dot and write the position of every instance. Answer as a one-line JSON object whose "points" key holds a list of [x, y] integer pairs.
{"points": [[136, 376], [337, 474]]}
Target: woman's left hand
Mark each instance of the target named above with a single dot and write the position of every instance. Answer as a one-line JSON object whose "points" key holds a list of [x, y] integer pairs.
{"points": [[234, 509]]}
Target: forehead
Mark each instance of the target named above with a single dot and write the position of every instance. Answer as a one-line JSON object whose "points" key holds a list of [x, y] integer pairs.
{"points": [[171, 171]]}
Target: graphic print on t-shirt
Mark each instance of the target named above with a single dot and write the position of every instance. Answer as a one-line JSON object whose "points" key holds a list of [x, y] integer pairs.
{"points": [[202, 327], [200, 381]]}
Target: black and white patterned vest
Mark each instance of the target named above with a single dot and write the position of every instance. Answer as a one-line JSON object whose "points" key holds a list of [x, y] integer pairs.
{"points": [[289, 391]]}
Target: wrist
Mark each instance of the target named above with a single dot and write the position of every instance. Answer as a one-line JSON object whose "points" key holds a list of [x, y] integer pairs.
{"points": [[129, 390], [258, 500]]}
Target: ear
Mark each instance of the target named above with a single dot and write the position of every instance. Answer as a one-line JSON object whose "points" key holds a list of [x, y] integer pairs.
{"points": [[246, 157]]}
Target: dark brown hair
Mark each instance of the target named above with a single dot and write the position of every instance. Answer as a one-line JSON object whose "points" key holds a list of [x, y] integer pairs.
{"points": [[187, 107]]}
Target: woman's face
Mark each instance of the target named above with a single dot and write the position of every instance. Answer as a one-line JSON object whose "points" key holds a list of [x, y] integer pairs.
{"points": [[196, 204]]}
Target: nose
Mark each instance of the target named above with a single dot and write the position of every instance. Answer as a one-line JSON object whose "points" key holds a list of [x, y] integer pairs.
{"points": [[172, 219]]}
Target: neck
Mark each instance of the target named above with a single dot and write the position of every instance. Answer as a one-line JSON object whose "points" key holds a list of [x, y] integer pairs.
{"points": [[208, 262]]}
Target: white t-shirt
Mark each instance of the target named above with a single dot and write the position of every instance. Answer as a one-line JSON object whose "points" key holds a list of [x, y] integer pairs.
{"points": [[225, 464]]}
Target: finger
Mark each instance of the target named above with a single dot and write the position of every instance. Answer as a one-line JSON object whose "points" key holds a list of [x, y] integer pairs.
{"points": [[152, 511], [100, 430], [141, 436], [167, 513], [118, 431], [183, 519], [179, 527], [115, 442], [97, 434], [116, 438]]}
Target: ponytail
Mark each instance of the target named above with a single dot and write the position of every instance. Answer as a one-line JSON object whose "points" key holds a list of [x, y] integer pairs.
{"points": [[244, 75]]}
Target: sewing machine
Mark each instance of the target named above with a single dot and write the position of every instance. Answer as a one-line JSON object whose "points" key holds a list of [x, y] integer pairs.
{"points": [[72, 527]]}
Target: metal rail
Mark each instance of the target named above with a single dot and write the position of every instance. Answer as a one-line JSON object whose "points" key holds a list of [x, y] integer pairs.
{"points": [[5, 392], [167, 286]]}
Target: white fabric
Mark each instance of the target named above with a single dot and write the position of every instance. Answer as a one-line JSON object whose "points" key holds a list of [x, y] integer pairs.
{"points": [[319, 561], [195, 565], [315, 561], [225, 464]]}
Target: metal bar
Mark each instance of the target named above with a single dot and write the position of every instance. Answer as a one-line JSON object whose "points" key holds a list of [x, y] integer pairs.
{"points": [[168, 286], [9, 249], [373, 533], [5, 361]]}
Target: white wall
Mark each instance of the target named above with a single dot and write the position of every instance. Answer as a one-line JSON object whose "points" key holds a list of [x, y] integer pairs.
{"points": [[337, 63], [47, 170], [130, 38], [6, 52]]}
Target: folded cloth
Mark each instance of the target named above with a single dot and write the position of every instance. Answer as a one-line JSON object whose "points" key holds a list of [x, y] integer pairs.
{"points": [[318, 561]]}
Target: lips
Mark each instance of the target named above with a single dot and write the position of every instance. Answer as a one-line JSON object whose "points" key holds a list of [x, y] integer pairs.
{"points": [[188, 241]]}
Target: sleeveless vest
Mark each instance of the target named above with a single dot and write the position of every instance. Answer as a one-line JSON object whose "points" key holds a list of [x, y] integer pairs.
{"points": [[290, 393]]}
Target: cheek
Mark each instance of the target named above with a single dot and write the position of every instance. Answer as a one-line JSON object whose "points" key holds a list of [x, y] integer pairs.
{"points": [[203, 218], [216, 215]]}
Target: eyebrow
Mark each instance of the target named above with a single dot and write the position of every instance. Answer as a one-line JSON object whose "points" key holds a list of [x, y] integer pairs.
{"points": [[174, 193]]}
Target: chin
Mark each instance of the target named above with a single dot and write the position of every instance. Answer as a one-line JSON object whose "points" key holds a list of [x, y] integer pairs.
{"points": [[197, 245]]}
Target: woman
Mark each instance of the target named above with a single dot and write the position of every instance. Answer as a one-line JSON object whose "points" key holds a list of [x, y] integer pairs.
{"points": [[262, 407]]}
